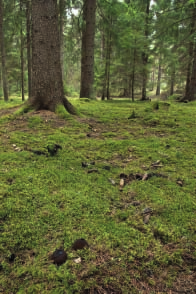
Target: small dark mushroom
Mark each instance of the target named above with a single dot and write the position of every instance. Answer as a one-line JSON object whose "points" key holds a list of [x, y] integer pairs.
{"points": [[12, 257], [138, 177], [123, 176], [80, 244], [59, 256]]}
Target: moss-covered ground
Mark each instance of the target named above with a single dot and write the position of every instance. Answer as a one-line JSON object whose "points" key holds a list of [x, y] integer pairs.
{"points": [[125, 181]]}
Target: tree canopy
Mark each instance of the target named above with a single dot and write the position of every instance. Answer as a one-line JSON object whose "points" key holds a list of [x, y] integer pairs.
{"points": [[136, 47]]}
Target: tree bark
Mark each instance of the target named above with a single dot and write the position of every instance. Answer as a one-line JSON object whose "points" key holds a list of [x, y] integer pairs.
{"points": [[106, 78], [47, 83], [191, 95], [145, 54], [87, 60], [22, 54], [3, 55], [29, 45], [173, 75], [191, 56], [133, 72], [158, 90], [61, 27]]}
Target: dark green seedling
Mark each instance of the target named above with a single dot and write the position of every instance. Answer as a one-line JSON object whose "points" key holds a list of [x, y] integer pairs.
{"points": [[133, 115], [155, 105], [53, 149], [38, 152]]}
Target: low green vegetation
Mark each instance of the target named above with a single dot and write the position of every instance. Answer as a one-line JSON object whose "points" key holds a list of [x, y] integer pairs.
{"points": [[124, 181]]}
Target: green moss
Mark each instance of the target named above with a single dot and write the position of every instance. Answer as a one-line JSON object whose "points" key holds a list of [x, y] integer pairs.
{"points": [[50, 201]]}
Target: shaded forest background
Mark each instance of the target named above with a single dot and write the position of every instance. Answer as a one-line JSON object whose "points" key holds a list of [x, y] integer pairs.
{"points": [[138, 48]]}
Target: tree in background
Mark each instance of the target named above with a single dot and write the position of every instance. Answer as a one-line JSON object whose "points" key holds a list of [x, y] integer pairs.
{"points": [[3, 54], [190, 93], [47, 84], [22, 52], [87, 55], [145, 52], [29, 45]]}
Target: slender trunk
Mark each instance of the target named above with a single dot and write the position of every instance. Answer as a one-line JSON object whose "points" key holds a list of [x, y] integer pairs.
{"points": [[133, 72], [104, 81], [191, 96], [87, 60], [189, 66], [191, 50], [152, 80], [102, 46], [106, 78], [173, 75], [62, 23], [158, 91], [190, 93], [3, 55], [108, 67], [145, 53], [29, 43], [22, 55]]}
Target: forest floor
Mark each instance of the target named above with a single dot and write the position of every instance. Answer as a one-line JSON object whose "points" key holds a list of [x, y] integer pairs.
{"points": [[125, 181]]}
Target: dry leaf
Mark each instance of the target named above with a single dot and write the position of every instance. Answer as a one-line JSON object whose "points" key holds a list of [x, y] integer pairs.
{"points": [[112, 181], [122, 182], [78, 260], [17, 149], [145, 177], [180, 183]]}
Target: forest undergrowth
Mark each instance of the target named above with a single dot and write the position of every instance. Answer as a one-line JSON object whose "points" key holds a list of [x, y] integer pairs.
{"points": [[124, 180]]}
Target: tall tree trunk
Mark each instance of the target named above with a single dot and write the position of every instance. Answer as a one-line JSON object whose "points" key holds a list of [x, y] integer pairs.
{"points": [[21, 54], [102, 56], [108, 65], [152, 79], [191, 95], [3, 55], [47, 84], [29, 45], [173, 75], [158, 91], [133, 72], [106, 78], [87, 60], [61, 25], [145, 53], [191, 53]]}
